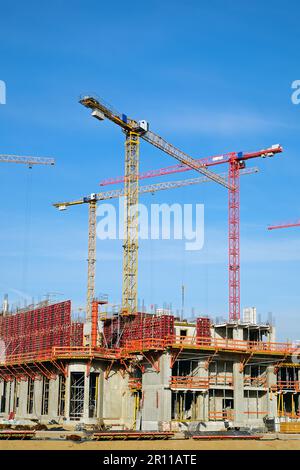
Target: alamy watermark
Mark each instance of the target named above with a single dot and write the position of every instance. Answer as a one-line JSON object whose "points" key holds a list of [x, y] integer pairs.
{"points": [[295, 97], [157, 222], [2, 92]]}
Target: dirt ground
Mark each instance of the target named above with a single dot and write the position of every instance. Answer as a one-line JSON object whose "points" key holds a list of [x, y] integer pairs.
{"points": [[152, 445]]}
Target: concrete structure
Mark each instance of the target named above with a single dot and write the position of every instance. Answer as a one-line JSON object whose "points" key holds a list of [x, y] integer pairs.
{"points": [[186, 383]]}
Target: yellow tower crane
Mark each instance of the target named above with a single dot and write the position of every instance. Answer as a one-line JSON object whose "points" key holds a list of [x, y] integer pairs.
{"points": [[134, 130], [92, 200]]}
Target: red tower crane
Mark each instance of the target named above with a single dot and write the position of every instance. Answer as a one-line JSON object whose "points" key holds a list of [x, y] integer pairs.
{"points": [[236, 161]]}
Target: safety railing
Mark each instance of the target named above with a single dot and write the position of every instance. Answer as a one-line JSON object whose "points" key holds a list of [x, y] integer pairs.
{"points": [[154, 344], [221, 379], [209, 343], [221, 415], [259, 381], [26, 357], [188, 382], [293, 385], [137, 345], [60, 352], [256, 413], [287, 415]]}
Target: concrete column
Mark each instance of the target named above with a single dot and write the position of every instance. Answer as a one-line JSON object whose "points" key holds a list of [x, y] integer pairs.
{"points": [[271, 396], [67, 395], [86, 397], [237, 333], [272, 334], [157, 400], [202, 404], [1, 391], [37, 398], [100, 396], [203, 373], [1, 394], [10, 401], [23, 393], [238, 394], [128, 404], [7, 401], [53, 398]]}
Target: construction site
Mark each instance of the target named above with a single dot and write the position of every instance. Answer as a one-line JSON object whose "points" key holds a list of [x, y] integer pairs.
{"points": [[130, 373]]}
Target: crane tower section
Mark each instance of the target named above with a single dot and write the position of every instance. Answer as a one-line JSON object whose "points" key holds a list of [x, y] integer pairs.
{"points": [[130, 247]]}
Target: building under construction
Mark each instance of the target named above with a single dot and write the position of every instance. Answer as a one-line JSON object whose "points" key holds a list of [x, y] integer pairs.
{"points": [[148, 371], [144, 372]]}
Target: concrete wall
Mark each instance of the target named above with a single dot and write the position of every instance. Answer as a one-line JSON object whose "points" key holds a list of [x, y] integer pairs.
{"points": [[156, 406]]}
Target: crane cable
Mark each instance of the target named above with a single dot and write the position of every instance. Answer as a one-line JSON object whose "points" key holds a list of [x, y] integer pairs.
{"points": [[27, 231], [151, 261]]}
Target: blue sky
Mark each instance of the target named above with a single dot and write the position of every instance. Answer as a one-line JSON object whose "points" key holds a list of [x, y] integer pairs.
{"points": [[210, 78]]}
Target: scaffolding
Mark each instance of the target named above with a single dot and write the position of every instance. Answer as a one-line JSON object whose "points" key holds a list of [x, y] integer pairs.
{"points": [[41, 341], [76, 395], [61, 395]]}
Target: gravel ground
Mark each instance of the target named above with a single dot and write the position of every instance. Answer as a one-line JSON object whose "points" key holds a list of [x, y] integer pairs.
{"points": [[152, 446]]}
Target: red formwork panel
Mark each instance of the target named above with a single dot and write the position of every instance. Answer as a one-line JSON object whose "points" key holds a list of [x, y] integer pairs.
{"points": [[40, 329], [77, 334], [203, 327], [119, 330]]}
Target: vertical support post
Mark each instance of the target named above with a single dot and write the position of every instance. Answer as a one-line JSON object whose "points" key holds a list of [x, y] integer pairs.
{"points": [[238, 394], [271, 396], [234, 239], [91, 258], [94, 323], [130, 247], [182, 301]]}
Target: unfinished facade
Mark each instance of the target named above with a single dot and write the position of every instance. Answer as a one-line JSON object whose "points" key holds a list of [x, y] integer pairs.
{"points": [[148, 372]]}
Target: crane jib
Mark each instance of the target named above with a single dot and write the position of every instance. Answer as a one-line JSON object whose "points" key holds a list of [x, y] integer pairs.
{"points": [[182, 157]]}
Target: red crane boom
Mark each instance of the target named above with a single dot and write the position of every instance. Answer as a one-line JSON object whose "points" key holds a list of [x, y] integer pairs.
{"points": [[236, 161], [208, 161], [285, 225]]}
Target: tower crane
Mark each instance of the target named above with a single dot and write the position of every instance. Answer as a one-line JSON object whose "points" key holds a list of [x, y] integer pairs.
{"points": [[134, 130], [236, 161], [92, 200], [26, 160]]}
